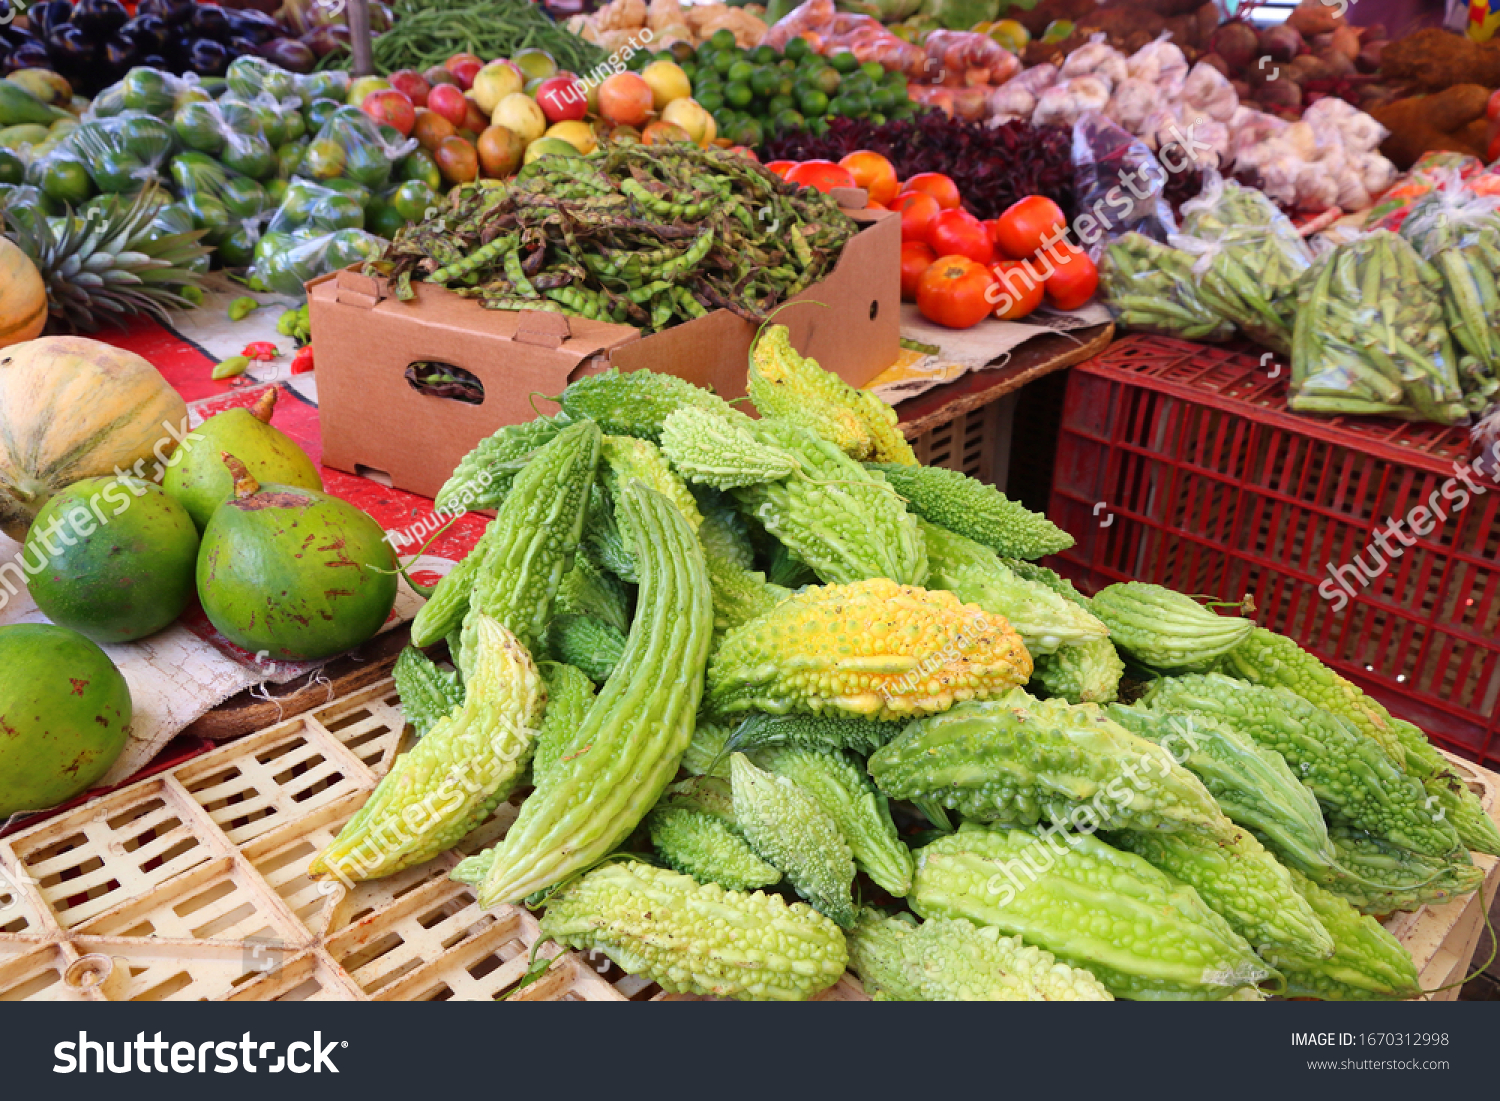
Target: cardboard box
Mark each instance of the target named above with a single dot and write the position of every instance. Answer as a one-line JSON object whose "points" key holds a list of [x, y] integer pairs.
{"points": [[375, 422]]}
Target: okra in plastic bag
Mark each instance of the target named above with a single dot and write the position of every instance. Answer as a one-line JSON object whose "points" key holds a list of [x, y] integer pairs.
{"points": [[350, 146], [124, 153], [1249, 258], [1152, 287], [1458, 232], [284, 262], [1371, 337]]}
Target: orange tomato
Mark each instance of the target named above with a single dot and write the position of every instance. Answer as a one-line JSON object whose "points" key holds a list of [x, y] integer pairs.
{"points": [[917, 210], [1018, 289], [820, 174], [955, 292], [780, 168], [1028, 226], [1073, 280], [940, 187], [916, 258], [874, 173]]}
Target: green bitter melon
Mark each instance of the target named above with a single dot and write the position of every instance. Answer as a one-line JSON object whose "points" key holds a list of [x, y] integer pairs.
{"points": [[427, 692], [959, 503], [707, 848], [1165, 629]]}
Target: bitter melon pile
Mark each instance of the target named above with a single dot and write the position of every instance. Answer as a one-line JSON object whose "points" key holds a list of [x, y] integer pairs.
{"points": [[770, 700]]}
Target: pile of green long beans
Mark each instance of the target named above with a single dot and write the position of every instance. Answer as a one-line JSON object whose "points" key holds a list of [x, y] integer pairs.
{"points": [[428, 32], [1153, 288], [647, 235], [1371, 335]]}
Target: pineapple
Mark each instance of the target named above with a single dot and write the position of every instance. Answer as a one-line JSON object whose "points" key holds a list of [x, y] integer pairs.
{"points": [[105, 266]]}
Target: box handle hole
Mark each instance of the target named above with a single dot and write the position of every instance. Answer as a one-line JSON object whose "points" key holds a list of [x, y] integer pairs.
{"points": [[443, 380], [874, 309]]}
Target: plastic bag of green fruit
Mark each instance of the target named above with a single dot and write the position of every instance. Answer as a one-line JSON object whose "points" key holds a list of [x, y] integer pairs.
{"points": [[243, 134], [228, 206], [286, 261], [62, 176], [150, 90], [350, 145], [123, 153], [307, 205], [249, 77]]}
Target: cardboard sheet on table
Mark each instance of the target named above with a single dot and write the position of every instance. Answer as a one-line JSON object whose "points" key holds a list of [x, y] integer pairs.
{"points": [[988, 344]]}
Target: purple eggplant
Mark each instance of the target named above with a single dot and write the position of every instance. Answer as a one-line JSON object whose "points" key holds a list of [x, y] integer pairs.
{"points": [[327, 39], [171, 12], [121, 53], [150, 32], [99, 19], [254, 25], [290, 54], [48, 14], [155, 61], [207, 57], [72, 49], [30, 55], [210, 21]]}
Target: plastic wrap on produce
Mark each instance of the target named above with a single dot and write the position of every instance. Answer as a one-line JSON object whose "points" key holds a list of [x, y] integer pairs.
{"points": [[1151, 287], [124, 153], [1119, 184], [1371, 336]]}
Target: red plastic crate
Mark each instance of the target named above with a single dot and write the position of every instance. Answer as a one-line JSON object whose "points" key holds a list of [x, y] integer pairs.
{"points": [[1180, 464]]}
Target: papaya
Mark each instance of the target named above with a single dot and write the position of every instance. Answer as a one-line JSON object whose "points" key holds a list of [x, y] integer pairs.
{"points": [[293, 573], [113, 558], [65, 716], [200, 482]]}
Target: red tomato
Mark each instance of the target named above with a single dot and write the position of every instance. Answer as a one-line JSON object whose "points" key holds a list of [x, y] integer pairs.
{"points": [[916, 258], [1073, 279], [959, 233], [780, 168], [940, 187], [1492, 106], [1028, 226], [1018, 289], [917, 210], [874, 173], [954, 292], [820, 174]]}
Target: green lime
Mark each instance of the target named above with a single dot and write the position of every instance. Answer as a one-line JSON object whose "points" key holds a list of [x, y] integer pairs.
{"points": [[878, 119], [874, 70], [385, 221], [836, 106], [197, 127], [738, 94], [740, 71], [412, 200], [722, 39], [64, 180], [857, 84], [790, 120], [812, 102], [12, 168], [798, 48], [764, 55], [894, 78], [787, 65], [844, 61], [711, 101], [817, 127], [237, 249], [419, 165], [243, 198], [723, 62], [250, 155], [856, 106], [827, 81], [689, 69], [765, 82], [324, 160], [780, 103], [751, 133], [116, 171], [882, 100]]}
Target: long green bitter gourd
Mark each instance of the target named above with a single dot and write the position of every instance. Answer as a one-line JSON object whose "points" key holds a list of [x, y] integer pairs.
{"points": [[570, 694], [830, 732], [709, 849], [715, 450], [484, 477], [633, 738], [1367, 962], [427, 693], [455, 777], [788, 828], [1376, 877], [862, 813], [697, 938], [1139, 931], [975, 574], [876, 956], [1020, 760], [444, 612], [626, 459], [538, 528], [1165, 629], [1253, 785], [959, 503], [873, 649], [588, 590], [585, 642], [841, 519], [1351, 776], [636, 403], [1242, 882]]}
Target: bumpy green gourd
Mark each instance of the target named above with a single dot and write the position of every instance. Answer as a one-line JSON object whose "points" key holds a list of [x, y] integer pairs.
{"points": [[427, 693], [588, 590], [709, 794], [636, 403], [445, 609], [705, 753], [1460, 806], [634, 735], [973, 573], [570, 694], [1367, 962], [538, 528], [788, 828], [741, 595], [603, 540], [873, 649], [862, 814], [840, 518], [1376, 877], [787, 570], [454, 778], [484, 477], [959, 503], [1241, 881], [1253, 785], [723, 533], [1020, 760], [719, 451], [1275, 661], [1350, 775], [828, 732], [1165, 629], [625, 460], [694, 938], [588, 643], [1043, 575], [1087, 673], [952, 960], [1139, 931], [707, 848]]}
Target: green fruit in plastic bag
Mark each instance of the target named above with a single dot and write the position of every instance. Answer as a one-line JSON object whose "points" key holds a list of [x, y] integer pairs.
{"points": [[412, 200], [64, 179], [419, 165], [243, 198], [197, 127], [271, 244], [324, 160], [170, 219], [293, 126], [349, 246], [12, 168], [271, 125], [150, 90], [208, 214], [368, 165], [250, 156], [384, 220], [117, 172], [146, 138], [242, 118], [275, 191], [297, 203], [330, 85], [337, 212], [289, 158], [319, 111], [238, 248]]}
